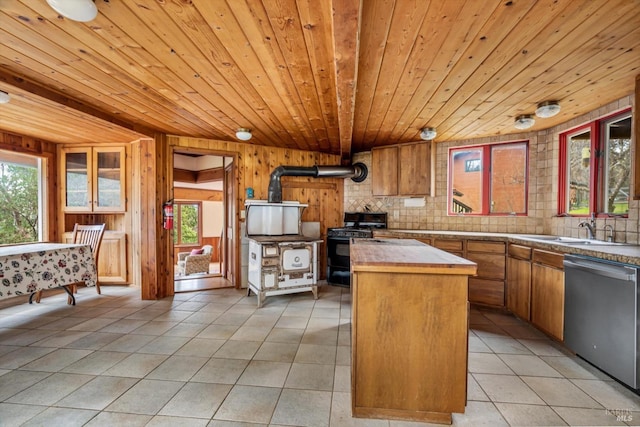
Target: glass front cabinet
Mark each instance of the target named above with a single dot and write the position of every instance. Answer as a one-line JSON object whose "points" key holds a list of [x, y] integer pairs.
{"points": [[93, 179]]}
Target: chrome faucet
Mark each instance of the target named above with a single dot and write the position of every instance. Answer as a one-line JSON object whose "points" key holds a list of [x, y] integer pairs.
{"points": [[609, 227], [590, 226]]}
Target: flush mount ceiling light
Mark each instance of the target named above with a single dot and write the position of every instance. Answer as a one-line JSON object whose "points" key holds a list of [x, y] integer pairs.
{"points": [[525, 121], [428, 133], [76, 10], [243, 134], [4, 97], [548, 109]]}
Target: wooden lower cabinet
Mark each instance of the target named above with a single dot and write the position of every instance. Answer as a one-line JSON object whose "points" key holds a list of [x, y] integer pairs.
{"points": [[409, 346], [519, 281], [547, 292], [112, 260], [409, 338], [487, 287]]}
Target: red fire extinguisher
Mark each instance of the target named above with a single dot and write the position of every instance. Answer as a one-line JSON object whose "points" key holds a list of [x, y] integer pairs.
{"points": [[167, 211]]}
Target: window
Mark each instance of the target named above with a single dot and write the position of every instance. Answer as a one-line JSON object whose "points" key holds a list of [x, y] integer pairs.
{"points": [[21, 198], [499, 189], [595, 167], [187, 229]]}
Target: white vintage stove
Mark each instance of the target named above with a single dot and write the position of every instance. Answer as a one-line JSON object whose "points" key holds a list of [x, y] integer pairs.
{"points": [[281, 259]]}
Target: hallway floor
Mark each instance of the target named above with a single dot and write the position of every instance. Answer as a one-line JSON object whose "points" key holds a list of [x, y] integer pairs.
{"points": [[200, 284], [213, 359]]}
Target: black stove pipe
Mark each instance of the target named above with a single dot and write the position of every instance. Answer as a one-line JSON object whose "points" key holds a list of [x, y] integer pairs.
{"points": [[357, 172]]}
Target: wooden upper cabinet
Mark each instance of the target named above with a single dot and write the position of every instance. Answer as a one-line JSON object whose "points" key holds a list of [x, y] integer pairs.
{"points": [[401, 170], [414, 167], [384, 165], [93, 179]]}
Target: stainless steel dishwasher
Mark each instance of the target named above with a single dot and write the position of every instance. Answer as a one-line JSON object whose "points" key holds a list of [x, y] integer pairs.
{"points": [[601, 315]]}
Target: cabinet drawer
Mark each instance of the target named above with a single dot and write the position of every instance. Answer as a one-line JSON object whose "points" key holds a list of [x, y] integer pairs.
{"points": [[483, 246], [551, 259], [490, 266], [520, 252], [424, 240], [448, 245], [490, 292]]}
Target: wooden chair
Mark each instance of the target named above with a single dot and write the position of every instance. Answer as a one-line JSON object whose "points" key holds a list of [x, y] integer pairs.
{"points": [[86, 235], [89, 235]]}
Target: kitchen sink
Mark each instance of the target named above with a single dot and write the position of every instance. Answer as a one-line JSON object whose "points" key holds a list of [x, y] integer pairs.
{"points": [[548, 238], [591, 242], [573, 241]]}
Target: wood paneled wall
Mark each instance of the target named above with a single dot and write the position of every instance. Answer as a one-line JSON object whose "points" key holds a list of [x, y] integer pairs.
{"points": [[152, 248], [152, 182], [47, 150], [255, 164]]}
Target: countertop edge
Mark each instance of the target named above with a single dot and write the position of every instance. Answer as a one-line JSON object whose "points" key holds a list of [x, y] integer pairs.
{"points": [[628, 254], [406, 256]]}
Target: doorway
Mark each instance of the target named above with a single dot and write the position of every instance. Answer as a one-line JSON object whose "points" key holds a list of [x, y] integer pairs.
{"points": [[201, 253]]}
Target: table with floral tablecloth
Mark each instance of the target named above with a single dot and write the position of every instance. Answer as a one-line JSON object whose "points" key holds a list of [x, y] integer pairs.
{"points": [[25, 269]]}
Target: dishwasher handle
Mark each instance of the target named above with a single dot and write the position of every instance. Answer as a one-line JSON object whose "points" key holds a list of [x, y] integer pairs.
{"points": [[625, 273]]}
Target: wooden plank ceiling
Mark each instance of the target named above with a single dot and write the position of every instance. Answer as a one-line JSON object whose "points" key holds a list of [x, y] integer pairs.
{"points": [[337, 76]]}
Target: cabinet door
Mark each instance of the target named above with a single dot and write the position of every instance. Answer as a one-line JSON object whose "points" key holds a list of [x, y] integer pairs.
{"points": [[547, 299], [112, 260], [93, 179], [108, 179], [76, 182], [519, 287], [414, 169], [384, 165]]}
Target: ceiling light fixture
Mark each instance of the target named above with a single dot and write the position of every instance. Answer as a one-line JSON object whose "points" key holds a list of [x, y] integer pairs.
{"points": [[428, 133], [4, 97], [548, 109], [76, 10], [243, 134], [524, 121]]}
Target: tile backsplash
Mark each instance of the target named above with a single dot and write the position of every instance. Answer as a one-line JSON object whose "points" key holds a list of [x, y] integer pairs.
{"points": [[542, 198]]}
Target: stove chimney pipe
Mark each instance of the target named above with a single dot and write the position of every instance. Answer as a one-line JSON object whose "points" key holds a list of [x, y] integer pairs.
{"points": [[357, 172]]}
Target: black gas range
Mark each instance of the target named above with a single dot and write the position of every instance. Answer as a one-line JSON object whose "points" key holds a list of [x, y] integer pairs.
{"points": [[356, 225]]}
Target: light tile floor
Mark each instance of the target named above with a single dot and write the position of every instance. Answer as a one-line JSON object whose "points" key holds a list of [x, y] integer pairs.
{"points": [[213, 359]]}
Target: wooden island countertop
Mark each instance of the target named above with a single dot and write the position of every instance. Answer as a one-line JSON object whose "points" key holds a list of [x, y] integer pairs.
{"points": [[406, 256], [409, 330]]}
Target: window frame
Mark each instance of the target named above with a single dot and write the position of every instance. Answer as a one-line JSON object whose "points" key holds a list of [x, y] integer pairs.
{"points": [[42, 167], [485, 170], [597, 168], [177, 219]]}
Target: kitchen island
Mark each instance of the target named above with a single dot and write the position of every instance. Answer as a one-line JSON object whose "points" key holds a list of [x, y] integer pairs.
{"points": [[409, 330]]}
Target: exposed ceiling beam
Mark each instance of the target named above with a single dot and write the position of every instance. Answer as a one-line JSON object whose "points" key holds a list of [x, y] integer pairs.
{"points": [[346, 40]]}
